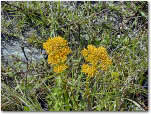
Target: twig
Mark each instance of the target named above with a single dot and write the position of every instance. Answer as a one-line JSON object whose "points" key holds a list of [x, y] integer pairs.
{"points": [[26, 82], [24, 53]]}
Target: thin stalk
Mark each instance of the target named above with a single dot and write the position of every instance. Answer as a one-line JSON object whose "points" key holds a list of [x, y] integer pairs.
{"points": [[26, 80], [26, 83], [88, 94]]}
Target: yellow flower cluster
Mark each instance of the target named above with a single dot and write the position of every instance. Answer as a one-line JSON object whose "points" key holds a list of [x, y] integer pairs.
{"points": [[57, 50], [60, 68], [90, 70], [97, 58]]}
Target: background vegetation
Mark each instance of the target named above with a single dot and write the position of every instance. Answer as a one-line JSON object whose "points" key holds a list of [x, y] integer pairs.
{"points": [[121, 27]]}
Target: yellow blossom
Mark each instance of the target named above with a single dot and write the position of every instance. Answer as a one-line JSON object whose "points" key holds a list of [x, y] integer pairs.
{"points": [[84, 52], [57, 50], [90, 70], [90, 54], [56, 59], [97, 57], [60, 68], [56, 45]]}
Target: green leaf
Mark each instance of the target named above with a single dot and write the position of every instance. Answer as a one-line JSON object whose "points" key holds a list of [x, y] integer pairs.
{"points": [[26, 108], [143, 14]]}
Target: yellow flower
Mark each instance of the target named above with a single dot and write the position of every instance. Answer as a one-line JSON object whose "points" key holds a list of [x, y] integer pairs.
{"points": [[56, 59], [56, 45], [102, 53], [57, 50], [90, 70], [60, 68], [90, 54], [84, 52], [105, 64], [97, 57]]}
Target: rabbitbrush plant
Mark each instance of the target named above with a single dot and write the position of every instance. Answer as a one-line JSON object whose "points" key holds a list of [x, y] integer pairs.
{"points": [[57, 50]]}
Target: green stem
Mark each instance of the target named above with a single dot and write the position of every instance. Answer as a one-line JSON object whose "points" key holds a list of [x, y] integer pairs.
{"points": [[58, 81], [88, 93], [62, 82]]}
